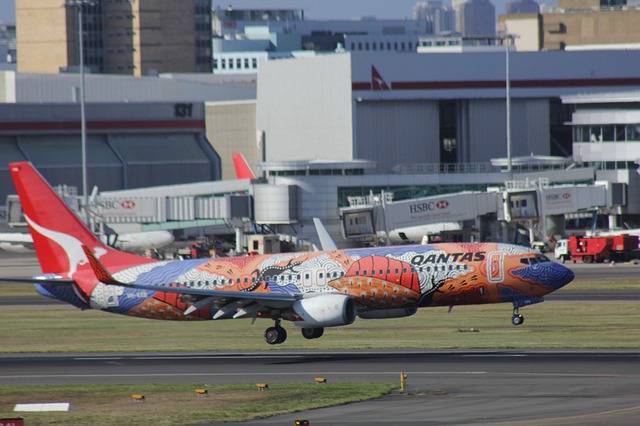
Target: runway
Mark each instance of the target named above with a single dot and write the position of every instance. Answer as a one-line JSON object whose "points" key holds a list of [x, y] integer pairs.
{"points": [[459, 387]]}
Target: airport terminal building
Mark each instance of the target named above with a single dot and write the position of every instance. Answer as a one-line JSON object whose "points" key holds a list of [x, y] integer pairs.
{"points": [[328, 130]]}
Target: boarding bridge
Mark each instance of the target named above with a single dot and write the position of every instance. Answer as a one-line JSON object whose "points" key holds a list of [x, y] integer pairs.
{"points": [[539, 208], [225, 205]]}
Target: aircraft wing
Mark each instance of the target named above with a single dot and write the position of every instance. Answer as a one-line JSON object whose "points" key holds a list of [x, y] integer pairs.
{"points": [[206, 296], [38, 279]]}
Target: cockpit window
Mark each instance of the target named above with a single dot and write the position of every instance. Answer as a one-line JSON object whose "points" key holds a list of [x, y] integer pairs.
{"points": [[540, 258]]}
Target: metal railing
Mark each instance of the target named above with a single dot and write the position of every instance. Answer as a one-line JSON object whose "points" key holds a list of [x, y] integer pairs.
{"points": [[453, 168]]}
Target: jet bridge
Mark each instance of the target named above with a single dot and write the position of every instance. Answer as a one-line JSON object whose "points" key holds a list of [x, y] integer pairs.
{"points": [[476, 215]]}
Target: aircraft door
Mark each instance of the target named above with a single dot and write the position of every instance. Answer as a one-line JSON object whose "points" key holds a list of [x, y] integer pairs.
{"points": [[495, 267]]}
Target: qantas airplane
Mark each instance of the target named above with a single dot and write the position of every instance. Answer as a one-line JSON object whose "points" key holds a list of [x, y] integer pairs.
{"points": [[313, 290]]}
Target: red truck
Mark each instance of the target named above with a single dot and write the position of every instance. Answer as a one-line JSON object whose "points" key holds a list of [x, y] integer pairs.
{"points": [[617, 248]]}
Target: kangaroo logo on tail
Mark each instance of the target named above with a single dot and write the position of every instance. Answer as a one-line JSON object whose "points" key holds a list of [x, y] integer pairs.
{"points": [[72, 246]]}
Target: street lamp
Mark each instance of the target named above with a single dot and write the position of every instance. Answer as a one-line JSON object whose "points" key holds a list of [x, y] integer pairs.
{"points": [[80, 5], [507, 41]]}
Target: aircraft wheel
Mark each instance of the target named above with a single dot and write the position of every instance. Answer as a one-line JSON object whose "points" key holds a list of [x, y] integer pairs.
{"points": [[312, 333], [517, 319], [275, 335]]}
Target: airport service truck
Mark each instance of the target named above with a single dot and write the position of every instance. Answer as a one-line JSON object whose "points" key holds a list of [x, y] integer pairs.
{"points": [[598, 249]]}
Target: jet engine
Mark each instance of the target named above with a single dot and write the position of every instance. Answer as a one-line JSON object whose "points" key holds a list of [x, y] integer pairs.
{"points": [[388, 313], [330, 310]]}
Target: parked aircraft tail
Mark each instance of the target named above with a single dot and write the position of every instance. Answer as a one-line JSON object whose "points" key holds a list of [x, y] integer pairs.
{"points": [[243, 171], [58, 234]]}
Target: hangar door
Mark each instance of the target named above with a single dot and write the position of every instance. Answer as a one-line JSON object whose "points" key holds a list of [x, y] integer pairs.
{"points": [[397, 132]]}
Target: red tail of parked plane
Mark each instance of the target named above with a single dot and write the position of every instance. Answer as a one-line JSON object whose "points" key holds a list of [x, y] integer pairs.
{"points": [[243, 171]]}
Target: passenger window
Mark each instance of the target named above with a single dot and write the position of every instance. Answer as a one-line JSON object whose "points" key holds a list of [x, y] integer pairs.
{"points": [[396, 270], [246, 280], [364, 273], [320, 275], [306, 276], [404, 270]]}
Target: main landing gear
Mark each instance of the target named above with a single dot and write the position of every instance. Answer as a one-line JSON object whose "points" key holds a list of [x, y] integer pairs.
{"points": [[275, 335], [517, 318], [312, 333]]}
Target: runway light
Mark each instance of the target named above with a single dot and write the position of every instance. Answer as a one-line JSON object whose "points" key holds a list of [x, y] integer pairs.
{"points": [[301, 422], [202, 392], [138, 397], [403, 381], [262, 386], [320, 380]]}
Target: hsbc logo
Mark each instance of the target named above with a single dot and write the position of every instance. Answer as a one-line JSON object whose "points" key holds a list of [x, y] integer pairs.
{"points": [[428, 206], [558, 197], [117, 204], [128, 204]]}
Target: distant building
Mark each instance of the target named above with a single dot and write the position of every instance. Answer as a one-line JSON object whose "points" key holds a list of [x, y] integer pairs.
{"points": [[578, 25], [7, 44], [136, 38], [477, 18], [244, 38], [440, 18], [522, 6]]}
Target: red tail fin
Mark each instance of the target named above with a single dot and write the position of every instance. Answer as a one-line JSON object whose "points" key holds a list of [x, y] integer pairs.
{"points": [[243, 171], [58, 234]]}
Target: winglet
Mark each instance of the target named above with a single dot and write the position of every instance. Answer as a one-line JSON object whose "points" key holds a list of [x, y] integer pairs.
{"points": [[243, 171], [326, 242], [99, 270]]}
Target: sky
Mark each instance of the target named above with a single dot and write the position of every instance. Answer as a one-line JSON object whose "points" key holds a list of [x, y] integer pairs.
{"points": [[314, 9]]}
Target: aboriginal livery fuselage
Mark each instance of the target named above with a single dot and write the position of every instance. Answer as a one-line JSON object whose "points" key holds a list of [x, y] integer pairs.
{"points": [[376, 278]]}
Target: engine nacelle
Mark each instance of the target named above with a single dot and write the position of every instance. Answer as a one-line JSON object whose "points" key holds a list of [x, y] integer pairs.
{"points": [[329, 310], [388, 313]]}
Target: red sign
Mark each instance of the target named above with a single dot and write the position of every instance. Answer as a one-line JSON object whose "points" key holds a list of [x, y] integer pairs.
{"points": [[12, 422], [442, 204]]}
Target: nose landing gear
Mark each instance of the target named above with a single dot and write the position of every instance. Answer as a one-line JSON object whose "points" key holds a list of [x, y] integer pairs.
{"points": [[275, 335], [516, 318]]}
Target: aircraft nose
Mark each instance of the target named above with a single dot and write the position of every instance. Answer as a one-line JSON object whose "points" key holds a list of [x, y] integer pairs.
{"points": [[559, 274]]}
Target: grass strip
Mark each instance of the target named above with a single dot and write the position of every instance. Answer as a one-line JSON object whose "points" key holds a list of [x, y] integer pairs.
{"points": [[550, 325], [179, 404]]}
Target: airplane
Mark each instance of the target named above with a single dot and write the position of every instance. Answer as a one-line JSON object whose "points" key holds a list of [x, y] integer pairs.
{"points": [[313, 290], [17, 242]]}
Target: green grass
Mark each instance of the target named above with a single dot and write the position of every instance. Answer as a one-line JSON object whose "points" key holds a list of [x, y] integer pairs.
{"points": [[178, 404], [17, 290], [547, 325]]}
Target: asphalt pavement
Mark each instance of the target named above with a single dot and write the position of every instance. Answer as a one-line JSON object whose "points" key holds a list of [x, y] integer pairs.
{"points": [[445, 387]]}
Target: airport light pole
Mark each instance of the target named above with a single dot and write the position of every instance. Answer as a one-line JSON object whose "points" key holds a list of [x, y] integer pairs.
{"points": [[507, 40], [80, 5]]}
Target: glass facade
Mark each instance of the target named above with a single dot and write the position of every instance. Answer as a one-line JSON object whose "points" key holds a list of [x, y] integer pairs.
{"points": [[404, 192], [607, 133]]}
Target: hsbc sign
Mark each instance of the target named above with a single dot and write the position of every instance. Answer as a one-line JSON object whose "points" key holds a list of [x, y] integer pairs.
{"points": [[113, 208], [428, 206], [116, 204]]}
